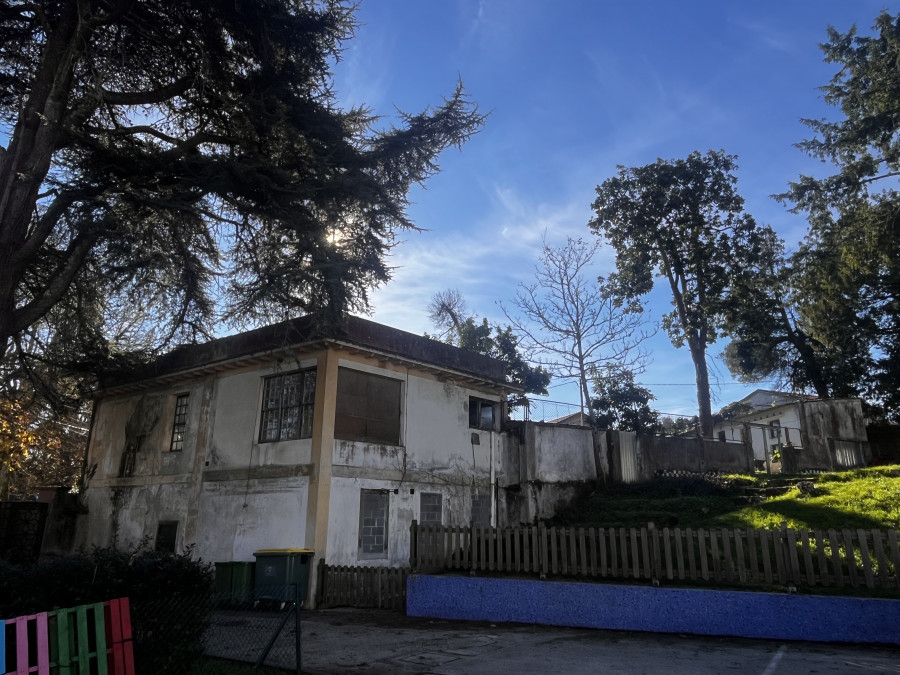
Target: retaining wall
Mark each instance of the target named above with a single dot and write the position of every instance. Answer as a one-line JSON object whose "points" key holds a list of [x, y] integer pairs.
{"points": [[658, 610]]}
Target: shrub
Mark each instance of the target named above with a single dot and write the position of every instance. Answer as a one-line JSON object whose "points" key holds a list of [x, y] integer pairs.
{"points": [[170, 595]]}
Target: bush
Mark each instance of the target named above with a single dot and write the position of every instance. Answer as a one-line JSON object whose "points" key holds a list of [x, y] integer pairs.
{"points": [[153, 581]]}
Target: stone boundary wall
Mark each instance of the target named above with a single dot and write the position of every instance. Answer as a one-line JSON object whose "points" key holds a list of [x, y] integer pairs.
{"points": [[658, 610]]}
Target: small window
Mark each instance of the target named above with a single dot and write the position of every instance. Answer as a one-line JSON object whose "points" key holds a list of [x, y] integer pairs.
{"points": [[373, 524], [287, 406], [368, 408], [430, 508], [775, 429], [179, 423], [481, 510], [482, 413], [165, 536]]}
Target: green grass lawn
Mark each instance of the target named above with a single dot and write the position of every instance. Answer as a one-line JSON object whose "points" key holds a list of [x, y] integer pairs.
{"points": [[861, 498]]}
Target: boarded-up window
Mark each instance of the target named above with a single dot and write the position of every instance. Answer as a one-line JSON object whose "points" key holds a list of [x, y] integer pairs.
{"points": [[481, 510], [287, 406], [165, 536], [368, 408], [373, 524], [179, 423], [430, 512]]}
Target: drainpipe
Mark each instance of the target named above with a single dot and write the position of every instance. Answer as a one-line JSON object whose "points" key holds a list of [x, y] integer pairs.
{"points": [[494, 497]]}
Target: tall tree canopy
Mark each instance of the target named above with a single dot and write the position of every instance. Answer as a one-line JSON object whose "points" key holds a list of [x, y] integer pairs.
{"points": [[682, 220], [572, 322], [184, 163], [770, 337], [450, 316], [620, 403], [850, 262]]}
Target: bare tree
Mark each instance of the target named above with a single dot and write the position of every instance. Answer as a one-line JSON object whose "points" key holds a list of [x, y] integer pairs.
{"points": [[571, 323]]}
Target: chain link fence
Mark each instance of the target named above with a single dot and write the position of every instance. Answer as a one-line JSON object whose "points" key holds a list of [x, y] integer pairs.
{"points": [[217, 635], [542, 410]]}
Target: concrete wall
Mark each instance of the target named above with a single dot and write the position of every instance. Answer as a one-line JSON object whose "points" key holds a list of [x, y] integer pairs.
{"points": [[827, 424], [637, 457], [658, 610], [544, 468]]}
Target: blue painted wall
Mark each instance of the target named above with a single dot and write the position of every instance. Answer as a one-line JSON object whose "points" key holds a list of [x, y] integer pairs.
{"points": [[658, 610]]}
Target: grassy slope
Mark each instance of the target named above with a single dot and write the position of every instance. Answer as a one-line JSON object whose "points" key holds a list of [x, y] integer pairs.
{"points": [[862, 498]]}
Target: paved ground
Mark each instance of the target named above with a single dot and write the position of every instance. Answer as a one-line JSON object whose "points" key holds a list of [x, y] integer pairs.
{"points": [[372, 642]]}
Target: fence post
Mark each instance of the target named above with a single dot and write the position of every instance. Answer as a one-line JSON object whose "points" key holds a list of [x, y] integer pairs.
{"points": [[414, 546], [542, 544], [655, 571], [297, 653]]}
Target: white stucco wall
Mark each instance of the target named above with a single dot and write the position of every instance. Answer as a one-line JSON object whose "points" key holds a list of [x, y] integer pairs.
{"points": [[235, 424], [240, 517]]}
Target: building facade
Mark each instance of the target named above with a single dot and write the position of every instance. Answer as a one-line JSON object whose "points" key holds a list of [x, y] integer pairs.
{"points": [[295, 437]]}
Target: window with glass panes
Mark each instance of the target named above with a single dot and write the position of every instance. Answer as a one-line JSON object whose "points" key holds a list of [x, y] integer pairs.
{"points": [[287, 406], [179, 423]]}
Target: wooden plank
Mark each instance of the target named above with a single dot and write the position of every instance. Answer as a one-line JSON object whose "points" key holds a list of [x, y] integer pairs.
{"points": [[526, 550], [824, 577], [895, 555], [679, 551], [544, 548], [726, 554], [584, 568], [667, 550], [850, 557], [563, 550], [84, 658], [779, 543], [752, 555], [554, 555], [809, 574], [692, 562], [613, 554], [793, 556], [100, 638], [714, 554], [764, 554], [880, 557], [592, 538], [635, 561], [836, 562], [510, 557], [868, 572], [645, 569], [577, 568], [704, 566], [740, 561]]}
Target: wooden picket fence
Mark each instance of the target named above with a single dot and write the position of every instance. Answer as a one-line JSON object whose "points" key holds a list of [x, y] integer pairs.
{"points": [[89, 639], [363, 587], [845, 558]]}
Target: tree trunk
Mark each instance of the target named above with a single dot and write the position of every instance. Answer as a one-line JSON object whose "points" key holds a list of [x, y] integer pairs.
{"points": [[698, 355]]}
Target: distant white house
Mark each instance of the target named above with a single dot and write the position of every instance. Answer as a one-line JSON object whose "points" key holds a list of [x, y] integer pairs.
{"points": [[825, 434]]}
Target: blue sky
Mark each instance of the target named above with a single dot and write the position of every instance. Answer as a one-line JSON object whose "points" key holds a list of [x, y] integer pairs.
{"points": [[574, 88]]}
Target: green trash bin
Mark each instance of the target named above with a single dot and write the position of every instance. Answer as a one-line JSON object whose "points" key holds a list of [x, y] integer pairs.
{"points": [[279, 569], [235, 581]]}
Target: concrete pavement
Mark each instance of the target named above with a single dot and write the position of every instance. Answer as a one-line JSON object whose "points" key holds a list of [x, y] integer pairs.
{"points": [[375, 642]]}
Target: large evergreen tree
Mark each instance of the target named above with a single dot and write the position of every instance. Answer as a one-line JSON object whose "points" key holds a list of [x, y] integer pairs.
{"points": [[186, 163], [849, 265]]}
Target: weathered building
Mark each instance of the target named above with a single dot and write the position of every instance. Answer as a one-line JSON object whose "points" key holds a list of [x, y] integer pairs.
{"points": [[807, 432], [295, 436]]}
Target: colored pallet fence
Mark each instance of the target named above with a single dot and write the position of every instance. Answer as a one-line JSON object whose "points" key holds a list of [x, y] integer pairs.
{"points": [[82, 640]]}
